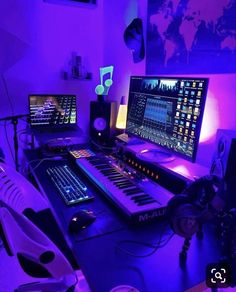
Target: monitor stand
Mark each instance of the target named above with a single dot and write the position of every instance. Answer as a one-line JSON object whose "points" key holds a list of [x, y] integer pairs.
{"points": [[155, 156], [129, 140]]}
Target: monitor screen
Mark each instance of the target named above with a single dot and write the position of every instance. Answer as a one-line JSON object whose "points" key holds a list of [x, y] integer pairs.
{"points": [[52, 110], [167, 111]]}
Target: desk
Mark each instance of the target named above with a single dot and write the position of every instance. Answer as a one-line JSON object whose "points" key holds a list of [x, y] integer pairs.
{"points": [[105, 267]]}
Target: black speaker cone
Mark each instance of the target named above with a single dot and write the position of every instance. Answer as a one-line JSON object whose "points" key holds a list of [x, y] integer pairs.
{"points": [[100, 124]]}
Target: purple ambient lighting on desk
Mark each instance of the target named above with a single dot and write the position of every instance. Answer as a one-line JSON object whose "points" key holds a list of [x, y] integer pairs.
{"points": [[183, 167]]}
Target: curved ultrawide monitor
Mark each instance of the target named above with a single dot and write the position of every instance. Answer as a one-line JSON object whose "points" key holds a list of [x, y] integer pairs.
{"points": [[167, 111]]}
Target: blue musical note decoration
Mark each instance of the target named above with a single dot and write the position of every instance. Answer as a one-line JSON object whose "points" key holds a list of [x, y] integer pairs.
{"points": [[103, 87]]}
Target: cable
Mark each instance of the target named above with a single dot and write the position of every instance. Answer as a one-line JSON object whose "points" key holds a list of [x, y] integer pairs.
{"points": [[7, 93], [7, 139], [161, 243], [55, 158]]}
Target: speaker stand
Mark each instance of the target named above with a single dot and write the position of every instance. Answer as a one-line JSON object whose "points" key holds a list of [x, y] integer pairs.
{"points": [[14, 120]]}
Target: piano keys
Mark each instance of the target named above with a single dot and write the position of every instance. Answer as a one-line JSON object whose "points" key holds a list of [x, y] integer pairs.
{"points": [[131, 197]]}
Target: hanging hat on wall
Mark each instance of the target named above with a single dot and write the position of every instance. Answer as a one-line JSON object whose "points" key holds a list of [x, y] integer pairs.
{"points": [[134, 40]]}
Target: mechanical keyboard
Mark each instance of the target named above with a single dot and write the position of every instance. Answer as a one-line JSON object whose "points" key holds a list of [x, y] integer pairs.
{"points": [[136, 202], [70, 187]]}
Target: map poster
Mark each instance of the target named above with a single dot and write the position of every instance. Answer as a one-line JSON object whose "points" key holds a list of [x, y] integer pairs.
{"points": [[191, 37]]}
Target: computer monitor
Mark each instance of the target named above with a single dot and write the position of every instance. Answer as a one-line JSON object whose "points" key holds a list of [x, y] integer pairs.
{"points": [[167, 111], [50, 110]]}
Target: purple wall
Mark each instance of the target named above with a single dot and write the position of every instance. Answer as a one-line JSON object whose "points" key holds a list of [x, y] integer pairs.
{"points": [[36, 42], [115, 51]]}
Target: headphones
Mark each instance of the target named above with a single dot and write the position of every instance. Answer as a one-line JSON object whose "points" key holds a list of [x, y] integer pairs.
{"points": [[198, 203]]}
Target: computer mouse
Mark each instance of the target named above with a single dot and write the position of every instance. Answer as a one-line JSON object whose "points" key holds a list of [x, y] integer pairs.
{"points": [[80, 220]]}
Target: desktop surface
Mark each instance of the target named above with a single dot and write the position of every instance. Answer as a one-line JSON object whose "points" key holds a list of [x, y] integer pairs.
{"points": [[98, 247], [106, 266]]}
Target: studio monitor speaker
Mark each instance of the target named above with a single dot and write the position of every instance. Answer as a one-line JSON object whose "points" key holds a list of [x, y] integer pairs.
{"points": [[102, 121], [224, 162]]}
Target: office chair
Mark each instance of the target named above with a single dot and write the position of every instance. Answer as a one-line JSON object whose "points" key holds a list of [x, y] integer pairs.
{"points": [[19, 193], [37, 254]]}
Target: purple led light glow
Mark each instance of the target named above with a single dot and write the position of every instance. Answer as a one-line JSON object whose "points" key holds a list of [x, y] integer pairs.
{"points": [[210, 121]]}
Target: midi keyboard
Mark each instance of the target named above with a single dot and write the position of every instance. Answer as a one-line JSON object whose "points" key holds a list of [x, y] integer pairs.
{"points": [[140, 200]]}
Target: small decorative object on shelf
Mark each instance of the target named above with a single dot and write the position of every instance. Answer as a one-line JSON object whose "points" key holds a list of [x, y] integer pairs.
{"points": [[102, 89], [76, 70]]}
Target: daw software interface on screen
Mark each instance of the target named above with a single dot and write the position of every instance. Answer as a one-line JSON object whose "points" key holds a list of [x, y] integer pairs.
{"points": [[52, 110], [167, 111]]}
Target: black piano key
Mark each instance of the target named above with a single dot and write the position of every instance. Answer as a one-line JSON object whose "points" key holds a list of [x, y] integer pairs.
{"points": [[140, 197], [125, 180], [135, 188], [99, 163], [116, 179], [146, 202], [122, 182], [114, 176], [102, 166], [137, 201], [125, 186], [137, 192], [112, 173], [133, 192], [109, 170], [109, 173]]}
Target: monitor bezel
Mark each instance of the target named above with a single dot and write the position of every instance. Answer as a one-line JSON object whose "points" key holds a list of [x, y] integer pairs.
{"points": [[63, 126], [186, 157]]}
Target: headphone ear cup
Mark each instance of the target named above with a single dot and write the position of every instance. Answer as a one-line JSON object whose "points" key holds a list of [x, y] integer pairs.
{"points": [[196, 205], [172, 208], [175, 202], [183, 215], [185, 220]]}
